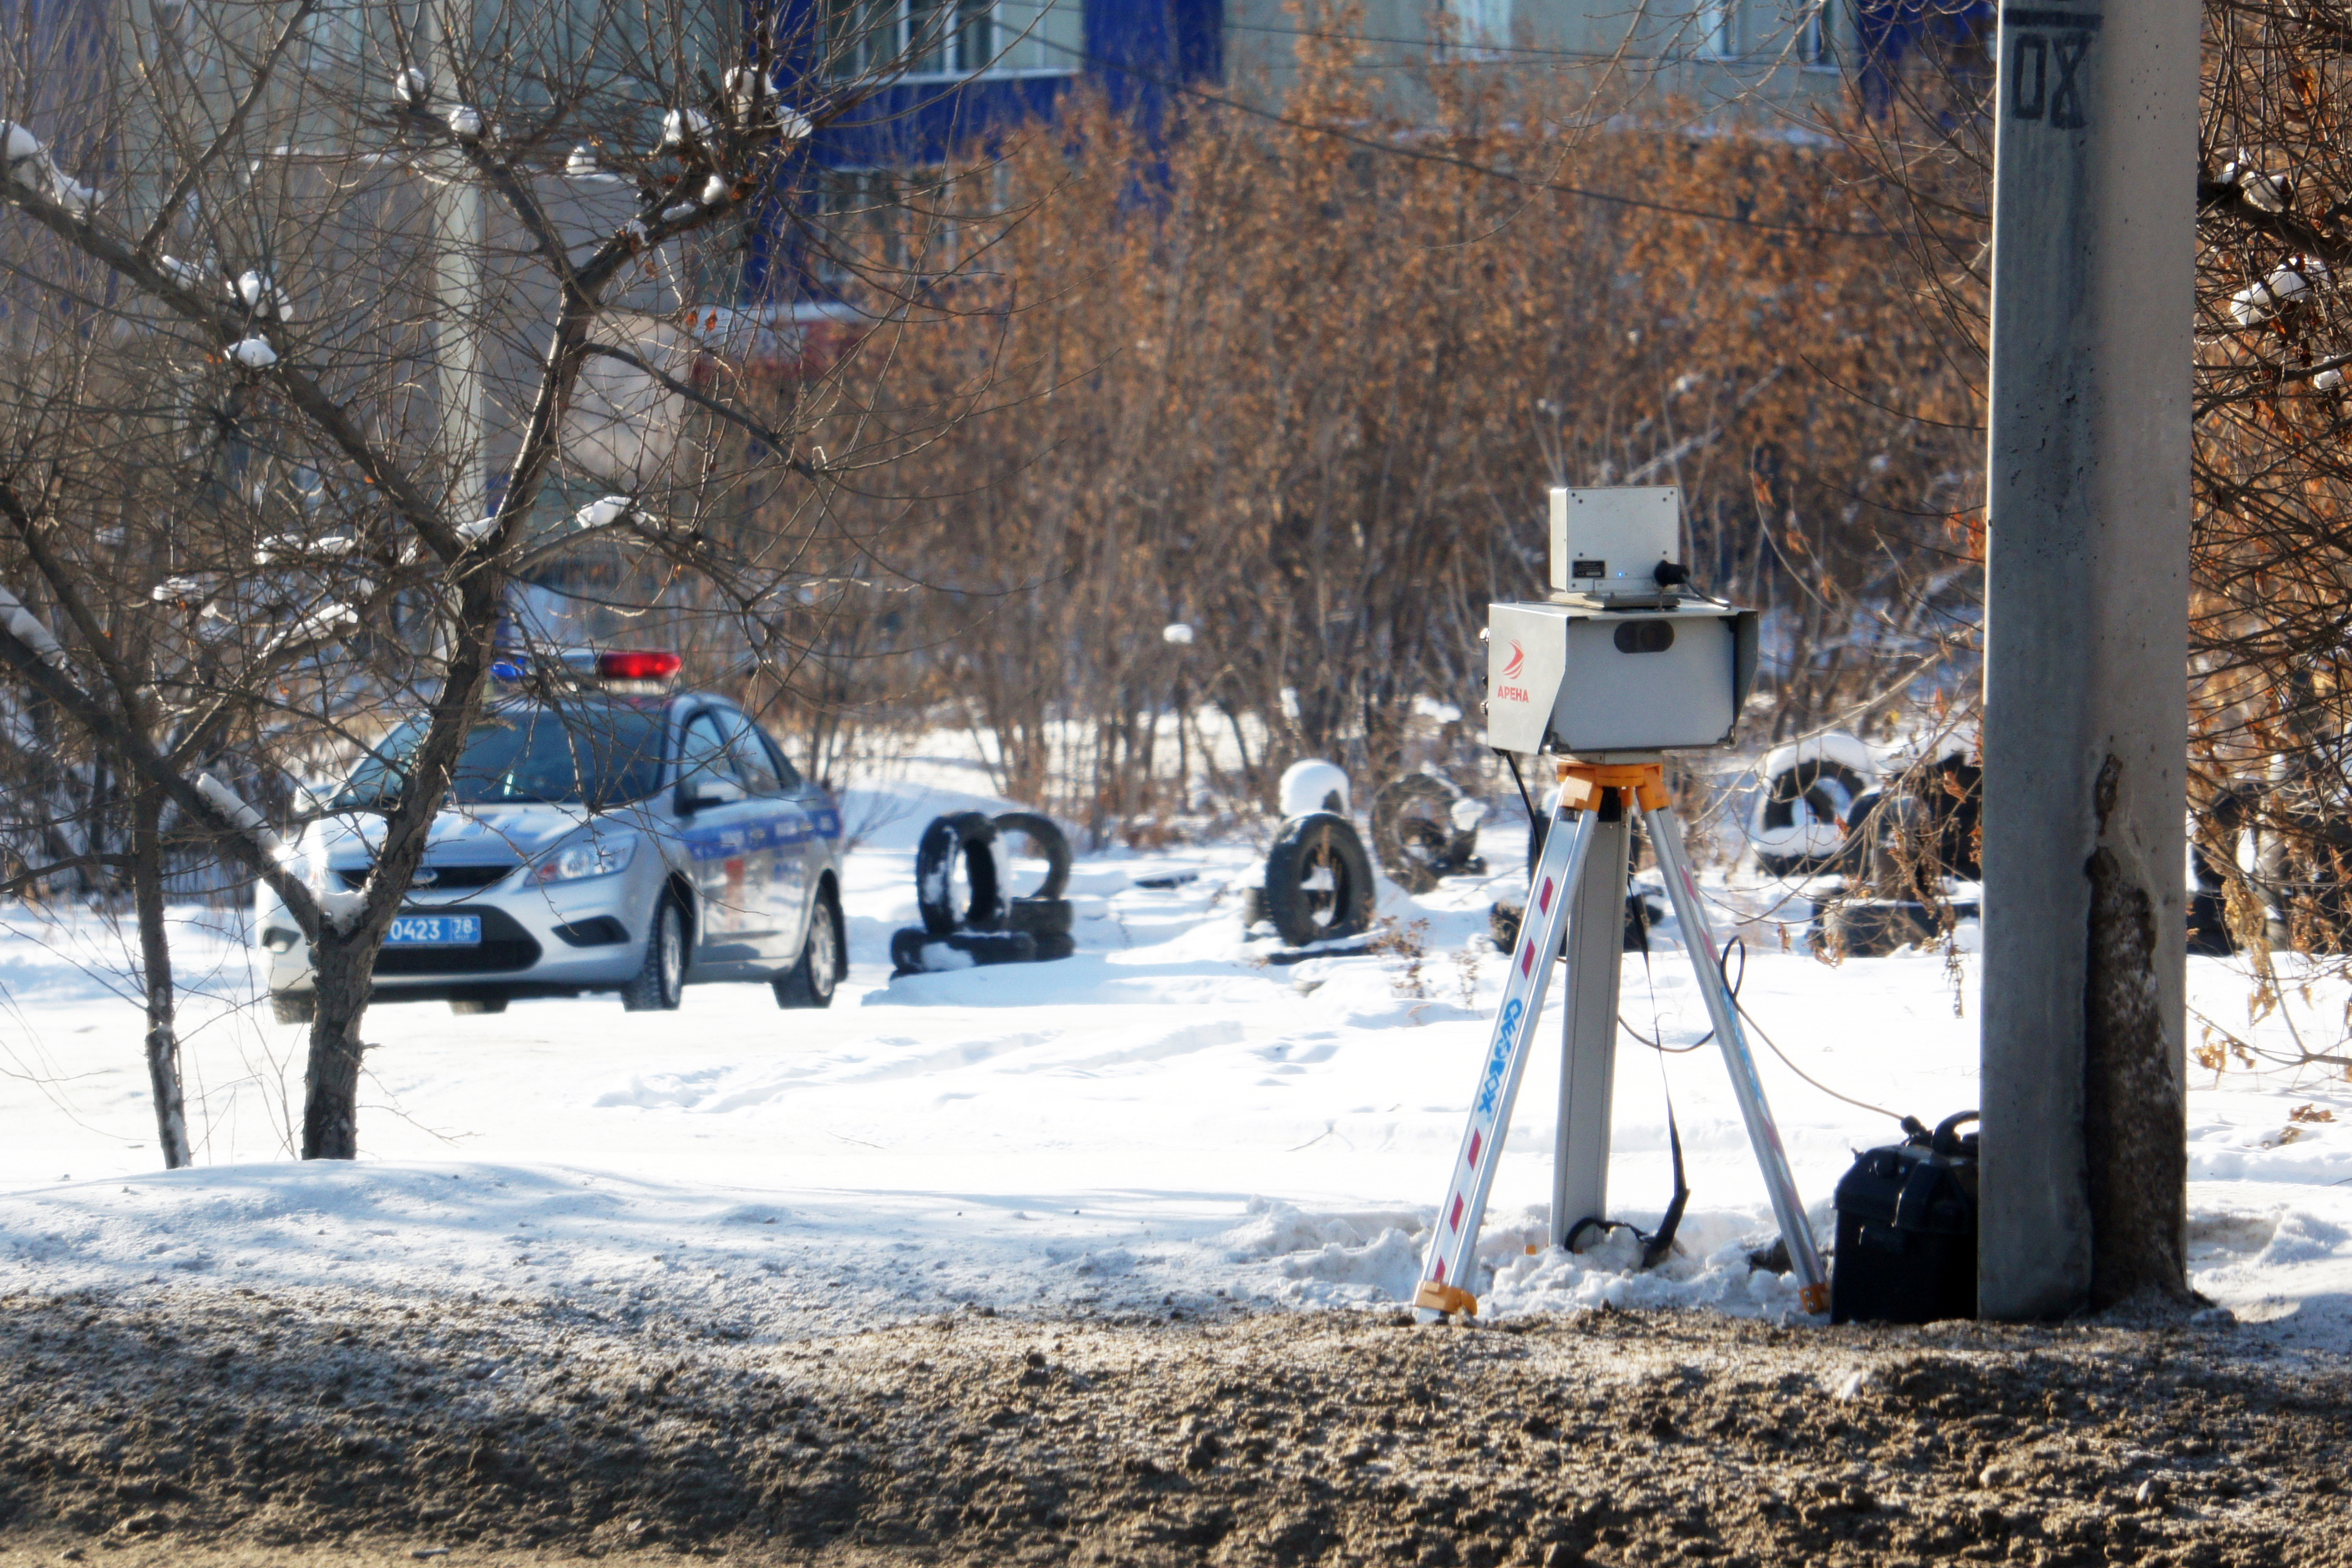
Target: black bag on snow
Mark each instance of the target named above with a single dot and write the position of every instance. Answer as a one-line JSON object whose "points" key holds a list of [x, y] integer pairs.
{"points": [[1906, 1229]]}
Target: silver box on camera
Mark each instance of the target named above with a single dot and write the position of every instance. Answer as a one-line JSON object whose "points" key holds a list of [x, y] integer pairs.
{"points": [[1619, 661], [1609, 542]]}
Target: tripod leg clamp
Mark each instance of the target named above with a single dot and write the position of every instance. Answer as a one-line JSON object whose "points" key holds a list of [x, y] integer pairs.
{"points": [[1814, 1297], [1437, 1298]]}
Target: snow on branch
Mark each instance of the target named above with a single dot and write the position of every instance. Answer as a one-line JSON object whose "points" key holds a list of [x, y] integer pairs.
{"points": [[605, 511], [243, 819], [26, 628], [321, 625], [28, 163]]}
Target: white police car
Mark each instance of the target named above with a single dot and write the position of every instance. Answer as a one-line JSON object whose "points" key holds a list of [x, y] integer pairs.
{"points": [[601, 835]]}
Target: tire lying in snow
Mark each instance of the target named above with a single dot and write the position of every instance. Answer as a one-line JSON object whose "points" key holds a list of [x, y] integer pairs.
{"points": [[971, 838], [915, 950], [1318, 881], [1802, 817], [1038, 917], [1424, 829]]}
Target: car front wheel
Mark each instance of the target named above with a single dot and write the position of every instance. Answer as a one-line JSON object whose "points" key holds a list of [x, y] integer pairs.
{"points": [[656, 985]]}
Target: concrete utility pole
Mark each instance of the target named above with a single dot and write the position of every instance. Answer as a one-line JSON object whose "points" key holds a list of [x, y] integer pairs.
{"points": [[2084, 1132], [457, 278]]}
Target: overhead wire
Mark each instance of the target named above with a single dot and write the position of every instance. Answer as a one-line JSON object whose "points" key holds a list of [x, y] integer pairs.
{"points": [[1390, 149]]}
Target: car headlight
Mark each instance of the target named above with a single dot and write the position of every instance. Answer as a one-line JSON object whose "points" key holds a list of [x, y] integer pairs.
{"points": [[586, 858]]}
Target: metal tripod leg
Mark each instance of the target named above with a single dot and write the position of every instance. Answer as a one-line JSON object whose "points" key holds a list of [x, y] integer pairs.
{"points": [[1446, 1272], [1666, 842], [1587, 1069]]}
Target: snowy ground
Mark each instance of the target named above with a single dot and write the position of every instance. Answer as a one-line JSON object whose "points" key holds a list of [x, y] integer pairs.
{"points": [[1163, 1119]]}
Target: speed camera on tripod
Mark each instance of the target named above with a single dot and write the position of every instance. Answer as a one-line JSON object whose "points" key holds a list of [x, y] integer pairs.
{"points": [[1624, 656]]}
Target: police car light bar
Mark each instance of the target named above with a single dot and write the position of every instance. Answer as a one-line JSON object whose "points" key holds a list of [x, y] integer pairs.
{"points": [[637, 665]]}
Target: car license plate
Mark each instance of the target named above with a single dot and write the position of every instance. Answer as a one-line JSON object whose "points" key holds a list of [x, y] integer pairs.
{"points": [[434, 931]]}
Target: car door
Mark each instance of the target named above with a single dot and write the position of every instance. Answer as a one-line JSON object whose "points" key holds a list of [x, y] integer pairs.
{"points": [[817, 824], [780, 829], [729, 861]]}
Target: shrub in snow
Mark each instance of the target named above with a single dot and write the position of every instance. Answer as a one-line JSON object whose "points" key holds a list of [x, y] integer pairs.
{"points": [[679, 213], [17, 145], [481, 528], [413, 87], [2328, 380], [1177, 634], [466, 123], [581, 164], [185, 273], [1310, 786], [715, 191], [253, 353]]}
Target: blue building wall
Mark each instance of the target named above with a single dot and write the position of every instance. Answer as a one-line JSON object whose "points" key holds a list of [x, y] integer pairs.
{"points": [[1139, 53]]}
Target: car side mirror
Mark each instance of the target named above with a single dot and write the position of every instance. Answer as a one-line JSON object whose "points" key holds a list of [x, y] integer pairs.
{"points": [[698, 795]]}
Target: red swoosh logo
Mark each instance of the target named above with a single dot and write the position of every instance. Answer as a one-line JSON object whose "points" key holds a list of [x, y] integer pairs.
{"points": [[1519, 659]]}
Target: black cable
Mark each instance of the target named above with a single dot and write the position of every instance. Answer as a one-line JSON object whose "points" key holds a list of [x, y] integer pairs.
{"points": [[1512, 762]]}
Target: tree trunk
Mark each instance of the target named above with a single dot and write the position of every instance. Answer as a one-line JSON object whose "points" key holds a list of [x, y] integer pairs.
{"points": [[155, 971], [341, 971]]}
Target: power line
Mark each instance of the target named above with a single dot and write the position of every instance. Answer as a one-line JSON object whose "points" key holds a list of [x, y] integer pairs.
{"points": [[1414, 154]]}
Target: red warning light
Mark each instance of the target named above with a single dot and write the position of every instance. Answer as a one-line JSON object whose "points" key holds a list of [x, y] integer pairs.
{"points": [[637, 665]]}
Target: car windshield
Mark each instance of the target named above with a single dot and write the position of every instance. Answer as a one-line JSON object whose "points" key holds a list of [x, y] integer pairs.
{"points": [[585, 754]]}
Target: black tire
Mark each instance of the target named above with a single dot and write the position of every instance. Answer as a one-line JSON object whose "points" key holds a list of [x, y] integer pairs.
{"points": [[1829, 790], [661, 979], [1051, 842], [1039, 917], [909, 948], [972, 837], [824, 958], [294, 1006], [1318, 881], [464, 1005], [1414, 835], [1873, 928]]}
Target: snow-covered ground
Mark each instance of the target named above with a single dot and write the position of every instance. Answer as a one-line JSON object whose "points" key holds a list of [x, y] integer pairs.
{"points": [[1164, 1120]]}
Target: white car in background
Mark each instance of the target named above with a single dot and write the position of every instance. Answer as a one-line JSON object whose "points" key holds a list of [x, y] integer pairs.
{"points": [[602, 834]]}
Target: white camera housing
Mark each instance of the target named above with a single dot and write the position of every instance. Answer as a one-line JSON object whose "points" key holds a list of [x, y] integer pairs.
{"points": [[1616, 660]]}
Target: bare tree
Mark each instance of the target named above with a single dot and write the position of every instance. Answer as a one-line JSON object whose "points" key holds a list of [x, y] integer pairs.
{"points": [[386, 308]]}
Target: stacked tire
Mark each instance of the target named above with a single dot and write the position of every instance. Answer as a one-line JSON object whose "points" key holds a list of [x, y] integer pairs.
{"points": [[1044, 912], [983, 925]]}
